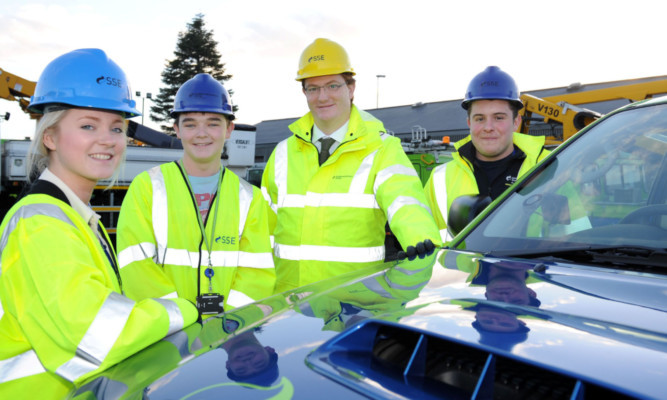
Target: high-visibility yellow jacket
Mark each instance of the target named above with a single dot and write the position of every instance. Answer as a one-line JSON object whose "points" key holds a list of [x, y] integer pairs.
{"points": [[456, 178], [130, 378], [63, 315], [375, 294], [330, 219], [162, 252]]}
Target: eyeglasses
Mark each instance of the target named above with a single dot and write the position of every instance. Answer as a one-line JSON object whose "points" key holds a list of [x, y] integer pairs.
{"points": [[330, 88]]}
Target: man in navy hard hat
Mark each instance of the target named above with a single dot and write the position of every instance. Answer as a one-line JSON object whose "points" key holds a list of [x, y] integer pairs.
{"points": [[192, 228], [493, 156]]}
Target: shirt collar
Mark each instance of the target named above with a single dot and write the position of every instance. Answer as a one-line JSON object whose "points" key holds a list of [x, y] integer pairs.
{"points": [[337, 135], [82, 209]]}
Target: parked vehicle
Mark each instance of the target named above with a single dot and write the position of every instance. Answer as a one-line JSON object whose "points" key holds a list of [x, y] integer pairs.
{"points": [[557, 290]]}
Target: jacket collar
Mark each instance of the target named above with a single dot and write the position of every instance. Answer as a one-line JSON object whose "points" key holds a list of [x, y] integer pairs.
{"points": [[41, 186], [360, 124]]}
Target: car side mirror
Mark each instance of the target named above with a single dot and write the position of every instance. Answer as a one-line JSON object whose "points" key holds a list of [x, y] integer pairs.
{"points": [[463, 210]]}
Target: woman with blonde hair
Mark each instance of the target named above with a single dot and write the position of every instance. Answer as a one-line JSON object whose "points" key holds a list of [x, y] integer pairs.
{"points": [[64, 316]]}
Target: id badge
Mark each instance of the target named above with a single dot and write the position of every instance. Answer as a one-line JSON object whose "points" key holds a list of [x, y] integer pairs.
{"points": [[210, 303]]}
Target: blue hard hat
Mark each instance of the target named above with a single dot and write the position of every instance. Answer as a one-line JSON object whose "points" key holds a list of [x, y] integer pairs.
{"points": [[265, 377], [202, 94], [85, 78], [492, 84]]}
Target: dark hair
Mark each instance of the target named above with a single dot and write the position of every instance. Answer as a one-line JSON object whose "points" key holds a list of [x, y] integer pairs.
{"points": [[178, 116], [348, 77], [513, 106]]}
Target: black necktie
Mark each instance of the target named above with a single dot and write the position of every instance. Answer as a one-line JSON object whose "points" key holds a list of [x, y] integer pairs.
{"points": [[326, 143]]}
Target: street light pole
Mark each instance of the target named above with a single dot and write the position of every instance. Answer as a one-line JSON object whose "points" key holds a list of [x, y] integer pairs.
{"points": [[377, 95], [143, 99]]}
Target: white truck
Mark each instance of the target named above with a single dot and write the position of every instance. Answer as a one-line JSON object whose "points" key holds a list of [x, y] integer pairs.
{"points": [[239, 156]]}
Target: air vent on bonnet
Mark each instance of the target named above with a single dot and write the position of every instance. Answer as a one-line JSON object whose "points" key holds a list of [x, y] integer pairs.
{"points": [[380, 359]]}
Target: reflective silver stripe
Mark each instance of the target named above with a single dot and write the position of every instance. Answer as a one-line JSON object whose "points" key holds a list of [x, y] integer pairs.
{"points": [[312, 199], [219, 258], [358, 184], [306, 309], [403, 201], [267, 197], [30, 210], [440, 190], [172, 295], [183, 257], [255, 260], [222, 258], [329, 253], [180, 340], [75, 368], [137, 252], [100, 337], [20, 366], [238, 299], [354, 198], [388, 172], [160, 212], [180, 257], [375, 287], [245, 198], [280, 171], [445, 236], [408, 271], [175, 316], [395, 285]]}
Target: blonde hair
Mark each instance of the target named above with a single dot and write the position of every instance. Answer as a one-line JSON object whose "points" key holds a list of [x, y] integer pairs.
{"points": [[38, 155]]}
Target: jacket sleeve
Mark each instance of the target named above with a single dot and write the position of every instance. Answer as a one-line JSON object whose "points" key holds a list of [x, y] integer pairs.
{"points": [[270, 190], [432, 201], [137, 248], [255, 274], [400, 194], [65, 303]]}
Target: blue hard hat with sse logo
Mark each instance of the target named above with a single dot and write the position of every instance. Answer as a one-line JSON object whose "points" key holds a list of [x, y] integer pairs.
{"points": [[492, 84], [85, 78]]}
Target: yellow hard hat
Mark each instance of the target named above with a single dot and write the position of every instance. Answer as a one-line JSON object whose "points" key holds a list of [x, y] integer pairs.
{"points": [[323, 57]]}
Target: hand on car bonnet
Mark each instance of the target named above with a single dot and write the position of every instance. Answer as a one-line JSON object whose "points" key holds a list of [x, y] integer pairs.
{"points": [[421, 250]]}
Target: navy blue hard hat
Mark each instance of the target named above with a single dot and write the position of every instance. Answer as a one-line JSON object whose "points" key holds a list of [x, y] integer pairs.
{"points": [[265, 377], [492, 84], [202, 94]]}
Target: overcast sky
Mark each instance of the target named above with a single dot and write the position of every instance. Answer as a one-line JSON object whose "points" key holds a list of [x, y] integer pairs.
{"points": [[428, 50]]}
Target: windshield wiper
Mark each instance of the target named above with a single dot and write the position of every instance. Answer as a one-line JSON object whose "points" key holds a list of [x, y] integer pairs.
{"points": [[617, 255]]}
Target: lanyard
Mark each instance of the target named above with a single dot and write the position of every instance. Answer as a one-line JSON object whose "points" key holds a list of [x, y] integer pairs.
{"points": [[209, 271]]}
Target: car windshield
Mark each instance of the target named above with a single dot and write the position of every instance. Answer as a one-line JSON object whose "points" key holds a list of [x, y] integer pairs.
{"points": [[606, 188]]}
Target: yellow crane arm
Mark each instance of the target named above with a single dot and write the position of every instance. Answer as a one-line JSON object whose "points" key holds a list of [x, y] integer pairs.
{"points": [[15, 88]]}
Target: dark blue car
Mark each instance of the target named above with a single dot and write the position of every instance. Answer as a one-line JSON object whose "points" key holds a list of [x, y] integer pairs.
{"points": [[557, 290]]}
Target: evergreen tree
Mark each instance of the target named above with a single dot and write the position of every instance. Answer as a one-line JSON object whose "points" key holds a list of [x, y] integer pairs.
{"points": [[196, 52]]}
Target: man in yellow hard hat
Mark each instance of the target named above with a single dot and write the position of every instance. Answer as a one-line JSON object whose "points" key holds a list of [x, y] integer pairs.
{"points": [[336, 182]]}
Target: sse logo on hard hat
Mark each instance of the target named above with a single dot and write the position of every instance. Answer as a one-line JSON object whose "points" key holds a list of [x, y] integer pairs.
{"points": [[316, 58], [109, 81]]}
